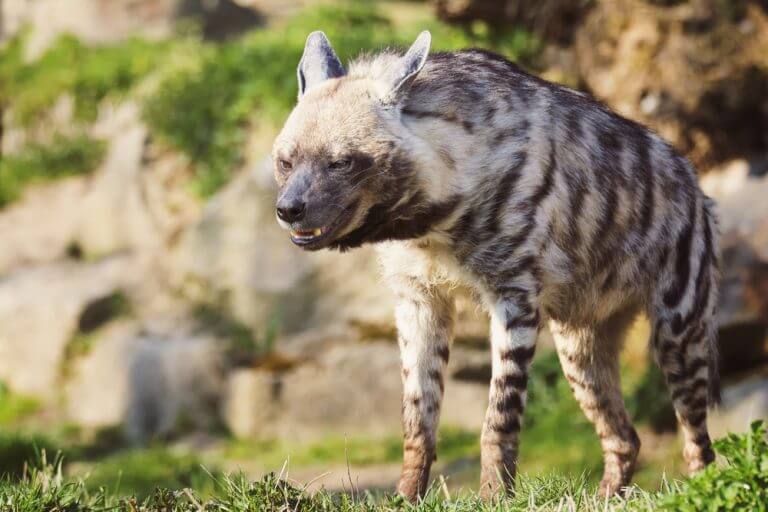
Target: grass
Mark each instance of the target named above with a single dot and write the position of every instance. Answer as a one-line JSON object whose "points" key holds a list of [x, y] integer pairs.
{"points": [[739, 483]]}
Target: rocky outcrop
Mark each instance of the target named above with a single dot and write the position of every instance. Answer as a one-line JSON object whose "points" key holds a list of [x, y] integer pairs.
{"points": [[39, 312], [743, 308], [346, 388], [692, 70]]}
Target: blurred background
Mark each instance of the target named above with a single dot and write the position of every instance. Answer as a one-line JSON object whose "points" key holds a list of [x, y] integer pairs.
{"points": [[155, 323]]}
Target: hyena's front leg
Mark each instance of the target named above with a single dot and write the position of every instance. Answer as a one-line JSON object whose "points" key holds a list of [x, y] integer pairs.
{"points": [[514, 329], [425, 328]]}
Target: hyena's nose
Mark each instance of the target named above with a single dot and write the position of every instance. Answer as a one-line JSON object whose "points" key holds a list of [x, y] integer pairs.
{"points": [[291, 211]]}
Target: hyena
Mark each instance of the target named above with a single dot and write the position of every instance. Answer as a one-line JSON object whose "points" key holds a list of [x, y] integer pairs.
{"points": [[463, 168]]}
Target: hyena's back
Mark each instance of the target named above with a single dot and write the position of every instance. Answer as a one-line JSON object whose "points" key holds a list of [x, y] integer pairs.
{"points": [[589, 217], [599, 207]]}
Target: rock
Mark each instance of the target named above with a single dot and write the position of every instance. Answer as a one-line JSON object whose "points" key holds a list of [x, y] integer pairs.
{"points": [[727, 180], [39, 312], [107, 21], [133, 202], [684, 68], [554, 20], [349, 388], [175, 383], [742, 403], [96, 392], [95, 21], [743, 307], [40, 227]]}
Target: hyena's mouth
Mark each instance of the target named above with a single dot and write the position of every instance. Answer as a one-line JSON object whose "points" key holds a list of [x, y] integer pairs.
{"points": [[318, 238]]}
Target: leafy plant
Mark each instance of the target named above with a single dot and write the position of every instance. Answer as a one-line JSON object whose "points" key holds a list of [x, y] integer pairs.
{"points": [[739, 484]]}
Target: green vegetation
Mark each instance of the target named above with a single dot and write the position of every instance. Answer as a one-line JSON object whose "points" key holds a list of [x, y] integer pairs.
{"points": [[14, 407], [87, 74], [740, 483], [206, 96], [139, 472], [61, 157], [453, 444], [205, 111]]}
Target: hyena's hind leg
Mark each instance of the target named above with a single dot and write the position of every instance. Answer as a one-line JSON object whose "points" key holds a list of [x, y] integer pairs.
{"points": [[590, 360], [684, 338]]}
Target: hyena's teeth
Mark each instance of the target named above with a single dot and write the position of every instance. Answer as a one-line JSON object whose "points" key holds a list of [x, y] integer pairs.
{"points": [[306, 234]]}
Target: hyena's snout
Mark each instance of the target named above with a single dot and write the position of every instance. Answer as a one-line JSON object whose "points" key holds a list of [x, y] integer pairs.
{"points": [[291, 209], [312, 210]]}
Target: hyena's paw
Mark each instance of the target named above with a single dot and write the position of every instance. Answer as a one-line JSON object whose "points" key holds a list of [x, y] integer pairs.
{"points": [[413, 483], [698, 457], [612, 486], [495, 484]]}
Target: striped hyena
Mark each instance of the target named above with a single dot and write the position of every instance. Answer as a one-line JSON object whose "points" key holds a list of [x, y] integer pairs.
{"points": [[463, 168]]}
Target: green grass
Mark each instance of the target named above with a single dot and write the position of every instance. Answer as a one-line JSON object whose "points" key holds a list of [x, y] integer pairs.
{"points": [[739, 483], [36, 162], [453, 444], [138, 472]]}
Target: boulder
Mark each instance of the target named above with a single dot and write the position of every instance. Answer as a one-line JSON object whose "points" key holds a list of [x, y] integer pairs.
{"points": [[175, 384], [96, 390], [39, 228], [347, 388], [743, 307], [742, 403], [39, 313], [136, 200]]}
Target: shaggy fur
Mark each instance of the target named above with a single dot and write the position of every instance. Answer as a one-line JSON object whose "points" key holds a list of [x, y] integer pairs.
{"points": [[463, 168]]}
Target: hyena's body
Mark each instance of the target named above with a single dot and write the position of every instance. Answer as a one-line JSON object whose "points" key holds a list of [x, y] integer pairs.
{"points": [[553, 208]]}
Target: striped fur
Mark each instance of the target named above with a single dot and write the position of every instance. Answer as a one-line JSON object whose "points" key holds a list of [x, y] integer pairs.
{"points": [[551, 206]]}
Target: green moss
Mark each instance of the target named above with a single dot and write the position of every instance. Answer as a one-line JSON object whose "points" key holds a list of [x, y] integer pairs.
{"points": [[37, 162]]}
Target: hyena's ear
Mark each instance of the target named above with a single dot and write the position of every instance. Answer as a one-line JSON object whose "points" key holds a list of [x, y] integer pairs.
{"points": [[399, 76], [318, 64]]}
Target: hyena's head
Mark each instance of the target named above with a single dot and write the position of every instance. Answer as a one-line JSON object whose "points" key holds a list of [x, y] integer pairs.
{"points": [[340, 163]]}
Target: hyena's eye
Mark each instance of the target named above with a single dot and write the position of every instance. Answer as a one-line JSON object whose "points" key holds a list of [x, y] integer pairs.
{"points": [[340, 165], [285, 165]]}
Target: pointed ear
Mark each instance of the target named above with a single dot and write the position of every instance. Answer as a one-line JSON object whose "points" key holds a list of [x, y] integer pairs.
{"points": [[318, 64], [405, 70]]}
